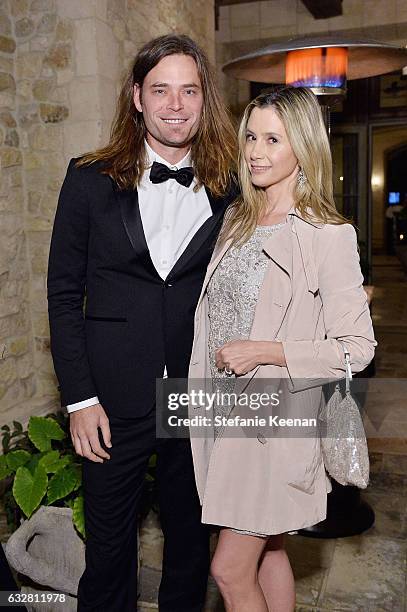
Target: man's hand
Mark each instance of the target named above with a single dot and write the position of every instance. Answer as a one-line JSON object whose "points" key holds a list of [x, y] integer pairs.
{"points": [[84, 425]]}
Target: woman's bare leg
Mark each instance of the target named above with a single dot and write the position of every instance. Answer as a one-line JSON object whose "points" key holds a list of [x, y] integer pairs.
{"points": [[276, 577], [234, 568]]}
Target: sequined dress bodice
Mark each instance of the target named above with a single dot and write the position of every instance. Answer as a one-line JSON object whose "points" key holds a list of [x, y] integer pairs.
{"points": [[232, 296]]}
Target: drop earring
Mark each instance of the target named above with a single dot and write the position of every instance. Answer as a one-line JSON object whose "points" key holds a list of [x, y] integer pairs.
{"points": [[301, 178]]}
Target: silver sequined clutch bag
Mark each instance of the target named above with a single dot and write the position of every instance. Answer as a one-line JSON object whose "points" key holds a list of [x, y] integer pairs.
{"points": [[344, 446]]}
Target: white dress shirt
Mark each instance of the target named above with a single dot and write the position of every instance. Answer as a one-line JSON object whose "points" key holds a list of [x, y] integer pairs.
{"points": [[171, 215]]}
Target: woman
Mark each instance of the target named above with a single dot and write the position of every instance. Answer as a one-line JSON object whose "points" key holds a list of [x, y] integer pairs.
{"points": [[282, 292]]}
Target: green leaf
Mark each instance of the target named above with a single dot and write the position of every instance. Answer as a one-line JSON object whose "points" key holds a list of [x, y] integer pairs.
{"points": [[5, 470], [28, 489], [50, 461], [32, 464], [61, 484], [5, 441], [5, 427], [78, 515], [42, 430], [70, 503], [152, 462], [17, 458], [17, 426]]}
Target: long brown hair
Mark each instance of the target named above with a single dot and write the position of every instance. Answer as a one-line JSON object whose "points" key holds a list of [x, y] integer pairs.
{"points": [[214, 147], [301, 115]]}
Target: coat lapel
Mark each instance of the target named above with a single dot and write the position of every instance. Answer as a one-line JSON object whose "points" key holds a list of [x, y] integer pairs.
{"points": [[130, 212], [218, 206]]}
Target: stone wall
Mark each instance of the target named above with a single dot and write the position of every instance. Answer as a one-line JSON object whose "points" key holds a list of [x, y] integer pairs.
{"points": [[61, 65]]}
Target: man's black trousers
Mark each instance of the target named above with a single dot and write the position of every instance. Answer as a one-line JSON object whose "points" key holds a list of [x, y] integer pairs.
{"points": [[112, 492]]}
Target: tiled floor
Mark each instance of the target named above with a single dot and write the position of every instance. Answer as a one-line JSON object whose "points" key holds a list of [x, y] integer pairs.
{"points": [[364, 573]]}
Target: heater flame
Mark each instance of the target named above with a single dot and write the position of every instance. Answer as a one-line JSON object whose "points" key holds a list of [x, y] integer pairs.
{"points": [[321, 67]]}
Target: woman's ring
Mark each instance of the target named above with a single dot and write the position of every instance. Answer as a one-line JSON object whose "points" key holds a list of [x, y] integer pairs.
{"points": [[228, 372]]}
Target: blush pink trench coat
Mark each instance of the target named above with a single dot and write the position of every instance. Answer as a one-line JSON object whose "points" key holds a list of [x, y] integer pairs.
{"points": [[311, 296]]}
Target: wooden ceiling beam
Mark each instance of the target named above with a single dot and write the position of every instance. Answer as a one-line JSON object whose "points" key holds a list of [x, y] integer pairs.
{"points": [[323, 9]]}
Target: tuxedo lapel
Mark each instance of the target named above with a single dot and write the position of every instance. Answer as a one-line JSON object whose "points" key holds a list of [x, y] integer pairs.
{"points": [[218, 206], [130, 213]]}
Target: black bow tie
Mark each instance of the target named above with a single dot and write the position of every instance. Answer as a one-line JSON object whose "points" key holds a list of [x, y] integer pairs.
{"points": [[160, 173]]}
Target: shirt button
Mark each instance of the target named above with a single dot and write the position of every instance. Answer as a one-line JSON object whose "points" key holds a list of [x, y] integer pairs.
{"points": [[164, 262]]}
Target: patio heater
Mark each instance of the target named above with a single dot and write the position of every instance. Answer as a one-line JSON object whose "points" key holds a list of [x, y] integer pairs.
{"points": [[324, 64]]}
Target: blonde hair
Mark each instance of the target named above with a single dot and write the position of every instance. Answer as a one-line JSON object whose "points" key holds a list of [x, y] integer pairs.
{"points": [[301, 115]]}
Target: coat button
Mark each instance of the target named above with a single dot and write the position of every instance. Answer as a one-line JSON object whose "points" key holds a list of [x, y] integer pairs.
{"points": [[261, 438]]}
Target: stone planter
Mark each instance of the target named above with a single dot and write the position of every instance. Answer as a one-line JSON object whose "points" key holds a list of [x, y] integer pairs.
{"points": [[47, 549]]}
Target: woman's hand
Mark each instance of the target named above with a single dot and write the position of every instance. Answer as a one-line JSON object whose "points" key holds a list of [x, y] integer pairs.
{"points": [[241, 356]]}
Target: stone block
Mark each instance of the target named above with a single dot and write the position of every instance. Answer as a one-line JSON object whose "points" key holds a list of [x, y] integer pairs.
{"points": [[77, 9], [12, 139], [17, 346], [25, 366], [41, 324], [246, 14], [7, 82], [274, 14], [59, 56], [65, 76], [28, 116], [24, 94], [42, 43], [7, 64], [7, 100], [33, 160], [15, 180], [5, 23], [38, 224], [376, 12], [10, 157], [48, 204], [64, 30], [46, 138], [34, 199], [42, 89], [40, 6], [107, 49], [47, 23], [19, 7], [7, 45], [86, 59], [42, 345], [7, 119], [80, 137], [85, 98], [53, 113], [245, 33], [28, 65], [24, 27], [8, 371]]}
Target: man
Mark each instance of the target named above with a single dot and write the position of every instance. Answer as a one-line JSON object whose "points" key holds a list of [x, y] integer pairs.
{"points": [[134, 230]]}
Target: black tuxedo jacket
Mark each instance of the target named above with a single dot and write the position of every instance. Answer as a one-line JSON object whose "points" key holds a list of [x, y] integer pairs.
{"points": [[133, 322]]}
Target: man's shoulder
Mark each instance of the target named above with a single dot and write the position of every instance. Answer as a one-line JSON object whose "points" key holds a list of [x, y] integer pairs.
{"points": [[88, 173]]}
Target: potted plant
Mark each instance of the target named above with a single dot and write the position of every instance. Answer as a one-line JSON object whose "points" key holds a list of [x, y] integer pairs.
{"points": [[41, 485], [39, 466], [42, 492]]}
